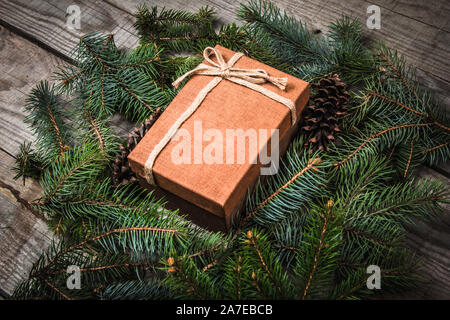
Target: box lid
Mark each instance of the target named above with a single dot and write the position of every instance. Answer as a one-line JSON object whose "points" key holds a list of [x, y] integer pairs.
{"points": [[218, 187]]}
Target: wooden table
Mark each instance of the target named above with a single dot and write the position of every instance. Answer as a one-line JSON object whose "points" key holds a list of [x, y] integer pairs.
{"points": [[35, 41]]}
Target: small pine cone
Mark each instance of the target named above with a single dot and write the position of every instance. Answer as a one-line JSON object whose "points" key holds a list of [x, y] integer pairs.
{"points": [[328, 105], [121, 171]]}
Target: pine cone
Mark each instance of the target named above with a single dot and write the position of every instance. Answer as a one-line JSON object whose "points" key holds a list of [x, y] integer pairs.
{"points": [[122, 173], [329, 103]]}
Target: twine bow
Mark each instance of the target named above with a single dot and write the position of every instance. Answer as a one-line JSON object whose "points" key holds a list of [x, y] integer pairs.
{"points": [[250, 78], [226, 70]]}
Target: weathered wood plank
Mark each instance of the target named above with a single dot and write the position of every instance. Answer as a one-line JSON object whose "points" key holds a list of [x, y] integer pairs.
{"points": [[23, 65], [23, 235], [45, 21], [431, 241], [40, 20], [435, 13]]}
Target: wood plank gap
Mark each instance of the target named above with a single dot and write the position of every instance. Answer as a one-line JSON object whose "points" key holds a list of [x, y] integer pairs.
{"points": [[36, 41], [441, 171], [4, 294], [112, 4]]}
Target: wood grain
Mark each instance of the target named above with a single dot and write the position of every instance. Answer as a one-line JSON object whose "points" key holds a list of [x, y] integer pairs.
{"points": [[45, 22], [436, 14], [418, 30], [23, 65], [23, 235]]}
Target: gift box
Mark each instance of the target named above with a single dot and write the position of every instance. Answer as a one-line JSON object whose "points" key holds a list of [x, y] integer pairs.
{"points": [[203, 145]]}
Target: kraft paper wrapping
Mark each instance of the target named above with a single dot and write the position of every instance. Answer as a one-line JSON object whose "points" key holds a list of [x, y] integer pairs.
{"points": [[219, 188]]}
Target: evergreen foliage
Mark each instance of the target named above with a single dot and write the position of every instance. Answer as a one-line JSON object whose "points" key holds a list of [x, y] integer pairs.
{"points": [[46, 118], [109, 81], [28, 163], [308, 232], [181, 31], [309, 55]]}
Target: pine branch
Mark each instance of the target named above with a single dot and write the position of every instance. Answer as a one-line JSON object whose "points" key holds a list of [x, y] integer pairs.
{"points": [[186, 280], [288, 191], [27, 163], [395, 98], [317, 263], [94, 127], [148, 289], [423, 115], [82, 164], [290, 37], [116, 82], [376, 135], [435, 147], [48, 275], [263, 263], [310, 166], [45, 116], [175, 30]]}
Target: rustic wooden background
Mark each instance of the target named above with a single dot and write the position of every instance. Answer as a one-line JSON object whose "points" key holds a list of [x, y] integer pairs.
{"points": [[34, 41]]}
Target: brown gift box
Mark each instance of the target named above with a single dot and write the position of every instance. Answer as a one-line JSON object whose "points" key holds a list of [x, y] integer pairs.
{"points": [[219, 188]]}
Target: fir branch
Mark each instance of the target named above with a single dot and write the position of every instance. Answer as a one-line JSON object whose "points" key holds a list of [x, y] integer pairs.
{"points": [[316, 265], [51, 285], [401, 202], [310, 166], [316, 257], [375, 94], [376, 135], [409, 159], [435, 147], [298, 180], [423, 115], [383, 53], [27, 163], [253, 243], [148, 289], [174, 29], [291, 37], [46, 118], [183, 276], [82, 163], [96, 130]]}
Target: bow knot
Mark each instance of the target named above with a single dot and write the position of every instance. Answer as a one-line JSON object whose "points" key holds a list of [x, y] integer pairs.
{"points": [[225, 72], [225, 69]]}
